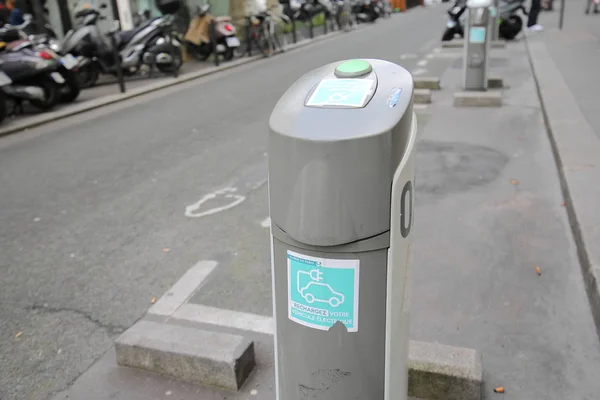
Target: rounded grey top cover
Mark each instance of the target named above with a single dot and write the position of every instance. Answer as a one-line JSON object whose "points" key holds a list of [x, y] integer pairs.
{"points": [[334, 145]]}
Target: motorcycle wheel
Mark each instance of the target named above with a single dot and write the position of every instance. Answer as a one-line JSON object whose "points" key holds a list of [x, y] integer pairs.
{"points": [[72, 83], [51, 94], [173, 66], [88, 75], [229, 54], [448, 34], [510, 28]]}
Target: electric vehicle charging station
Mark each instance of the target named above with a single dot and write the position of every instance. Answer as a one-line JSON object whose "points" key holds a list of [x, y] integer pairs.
{"points": [[477, 45], [341, 193]]}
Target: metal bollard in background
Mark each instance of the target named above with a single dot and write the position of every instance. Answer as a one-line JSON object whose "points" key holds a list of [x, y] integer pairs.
{"points": [[477, 45], [341, 231], [117, 60], [294, 35], [494, 17]]}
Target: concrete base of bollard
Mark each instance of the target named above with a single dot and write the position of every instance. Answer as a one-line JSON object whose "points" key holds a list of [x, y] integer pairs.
{"points": [[444, 372], [478, 99], [454, 44], [422, 96], [427, 82], [188, 354], [495, 82]]}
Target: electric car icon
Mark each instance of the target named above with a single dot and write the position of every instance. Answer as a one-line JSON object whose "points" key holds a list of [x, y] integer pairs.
{"points": [[322, 293]]}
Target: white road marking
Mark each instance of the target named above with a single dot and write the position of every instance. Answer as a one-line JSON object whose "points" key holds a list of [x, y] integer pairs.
{"points": [[227, 318], [408, 56], [226, 193], [183, 289], [444, 55], [265, 223], [418, 71], [422, 63]]}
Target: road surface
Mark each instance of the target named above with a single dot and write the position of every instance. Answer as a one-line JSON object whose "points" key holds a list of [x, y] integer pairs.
{"points": [[93, 218]]}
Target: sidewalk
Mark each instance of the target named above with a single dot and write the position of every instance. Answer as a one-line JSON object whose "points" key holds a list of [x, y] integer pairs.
{"points": [[489, 211], [566, 66]]}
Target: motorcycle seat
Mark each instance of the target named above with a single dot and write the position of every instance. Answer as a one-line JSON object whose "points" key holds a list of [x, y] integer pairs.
{"points": [[123, 37]]}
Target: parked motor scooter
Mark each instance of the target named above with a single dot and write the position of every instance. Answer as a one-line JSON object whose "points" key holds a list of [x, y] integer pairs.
{"points": [[510, 22], [197, 37], [34, 78], [149, 45], [453, 25], [366, 10], [67, 67]]}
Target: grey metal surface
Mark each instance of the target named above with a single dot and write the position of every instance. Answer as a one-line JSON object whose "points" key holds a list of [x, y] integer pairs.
{"points": [[475, 59], [331, 169], [334, 364], [321, 196]]}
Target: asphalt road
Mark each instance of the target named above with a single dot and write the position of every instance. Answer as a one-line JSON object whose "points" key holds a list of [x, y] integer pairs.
{"points": [[92, 208]]}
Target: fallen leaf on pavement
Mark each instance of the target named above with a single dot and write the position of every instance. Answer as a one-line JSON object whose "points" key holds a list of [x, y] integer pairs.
{"points": [[18, 334], [514, 181], [563, 204], [153, 300], [166, 250], [538, 271], [499, 389]]}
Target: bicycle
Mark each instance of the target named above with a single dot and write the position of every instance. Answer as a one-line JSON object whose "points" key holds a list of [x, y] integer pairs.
{"points": [[264, 33]]}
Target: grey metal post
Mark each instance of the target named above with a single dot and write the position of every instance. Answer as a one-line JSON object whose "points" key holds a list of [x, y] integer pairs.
{"points": [[477, 45], [341, 175], [495, 15]]}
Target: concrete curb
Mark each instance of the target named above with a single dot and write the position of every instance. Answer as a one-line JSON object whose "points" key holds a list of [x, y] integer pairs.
{"points": [[478, 99], [427, 82], [576, 148], [459, 43], [40, 119], [422, 96], [444, 372], [188, 354]]}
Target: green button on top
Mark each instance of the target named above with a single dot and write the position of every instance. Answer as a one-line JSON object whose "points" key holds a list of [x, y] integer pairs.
{"points": [[353, 69]]}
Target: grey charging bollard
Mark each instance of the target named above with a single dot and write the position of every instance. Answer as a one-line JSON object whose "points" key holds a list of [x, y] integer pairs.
{"points": [[341, 173], [477, 45], [494, 15]]}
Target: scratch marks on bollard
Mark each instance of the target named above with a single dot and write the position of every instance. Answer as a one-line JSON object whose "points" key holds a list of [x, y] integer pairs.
{"points": [[325, 380]]}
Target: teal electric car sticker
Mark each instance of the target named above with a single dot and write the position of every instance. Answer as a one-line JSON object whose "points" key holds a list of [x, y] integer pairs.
{"points": [[322, 291]]}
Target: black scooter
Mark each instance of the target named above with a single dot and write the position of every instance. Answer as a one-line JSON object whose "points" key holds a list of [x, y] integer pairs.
{"points": [[366, 10], [33, 79], [453, 25], [510, 23]]}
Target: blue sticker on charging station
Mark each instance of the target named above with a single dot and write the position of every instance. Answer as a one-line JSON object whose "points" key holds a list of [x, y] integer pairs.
{"points": [[477, 34], [351, 93], [322, 291]]}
